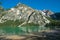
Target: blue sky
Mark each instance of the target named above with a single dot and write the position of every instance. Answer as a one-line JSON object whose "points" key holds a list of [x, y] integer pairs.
{"points": [[53, 5]]}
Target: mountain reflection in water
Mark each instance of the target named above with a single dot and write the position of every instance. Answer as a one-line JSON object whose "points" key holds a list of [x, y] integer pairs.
{"points": [[20, 30]]}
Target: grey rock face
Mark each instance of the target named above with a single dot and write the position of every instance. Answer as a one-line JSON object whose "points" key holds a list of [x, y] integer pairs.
{"points": [[26, 14]]}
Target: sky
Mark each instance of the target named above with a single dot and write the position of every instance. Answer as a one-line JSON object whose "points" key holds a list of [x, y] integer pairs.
{"points": [[53, 5]]}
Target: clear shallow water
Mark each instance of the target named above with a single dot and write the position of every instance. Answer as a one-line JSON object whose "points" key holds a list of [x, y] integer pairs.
{"points": [[6, 30]]}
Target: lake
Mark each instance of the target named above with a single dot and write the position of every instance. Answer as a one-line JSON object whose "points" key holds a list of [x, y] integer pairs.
{"points": [[8, 30]]}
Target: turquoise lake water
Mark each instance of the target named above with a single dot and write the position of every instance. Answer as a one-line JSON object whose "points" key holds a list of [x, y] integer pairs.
{"points": [[20, 30]]}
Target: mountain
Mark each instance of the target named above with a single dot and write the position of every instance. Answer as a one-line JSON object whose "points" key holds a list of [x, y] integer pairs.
{"points": [[25, 15], [53, 17], [57, 15], [50, 14]]}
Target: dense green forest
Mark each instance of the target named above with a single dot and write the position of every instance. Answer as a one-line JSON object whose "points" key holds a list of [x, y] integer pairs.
{"points": [[53, 23]]}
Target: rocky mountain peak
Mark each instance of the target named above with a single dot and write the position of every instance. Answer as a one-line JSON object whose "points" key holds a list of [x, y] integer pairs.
{"points": [[19, 4], [48, 12], [26, 14]]}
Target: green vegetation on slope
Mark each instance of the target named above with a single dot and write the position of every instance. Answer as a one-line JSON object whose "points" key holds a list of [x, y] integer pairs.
{"points": [[16, 23], [53, 23], [31, 24], [10, 23]]}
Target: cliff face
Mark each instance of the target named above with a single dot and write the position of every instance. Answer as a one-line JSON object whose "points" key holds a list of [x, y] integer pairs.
{"points": [[25, 14]]}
